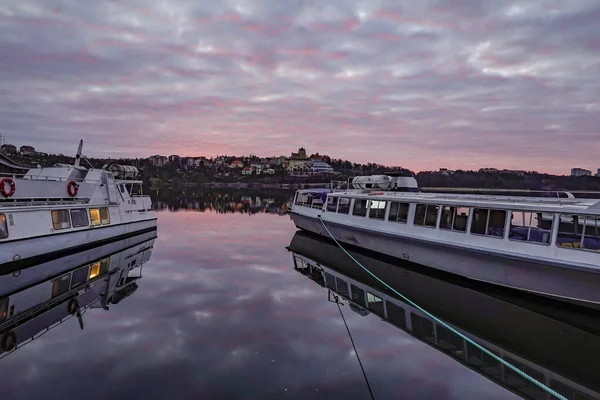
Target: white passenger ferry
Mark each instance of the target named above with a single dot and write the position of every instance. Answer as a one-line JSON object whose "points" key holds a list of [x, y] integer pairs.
{"points": [[48, 212], [546, 245], [559, 352]]}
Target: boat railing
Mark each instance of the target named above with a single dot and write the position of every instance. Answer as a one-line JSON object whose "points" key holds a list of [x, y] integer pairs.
{"points": [[34, 202]]}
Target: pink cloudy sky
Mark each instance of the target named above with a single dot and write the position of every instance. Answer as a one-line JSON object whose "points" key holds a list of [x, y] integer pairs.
{"points": [[421, 84]]}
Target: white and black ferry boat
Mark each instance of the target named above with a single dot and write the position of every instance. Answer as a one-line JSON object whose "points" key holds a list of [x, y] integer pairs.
{"points": [[46, 213], [545, 245]]}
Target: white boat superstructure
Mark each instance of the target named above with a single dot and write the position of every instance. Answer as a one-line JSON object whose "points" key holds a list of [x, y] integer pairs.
{"points": [[68, 208], [546, 245]]}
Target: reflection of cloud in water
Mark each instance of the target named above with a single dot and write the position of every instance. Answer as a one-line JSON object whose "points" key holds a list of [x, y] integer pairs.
{"points": [[186, 334]]}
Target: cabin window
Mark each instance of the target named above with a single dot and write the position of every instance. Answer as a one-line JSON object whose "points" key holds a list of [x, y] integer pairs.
{"points": [[579, 232], [449, 342], [358, 295], [454, 218], [567, 391], [396, 315], [122, 188], [80, 277], [483, 361], [377, 209], [61, 285], [422, 328], [104, 264], [520, 384], [79, 218], [95, 216], [527, 226], [343, 206], [488, 222], [3, 309], [105, 216], [360, 207], [375, 304], [3, 227], [426, 215], [332, 203], [60, 219], [398, 212], [95, 269], [342, 287]]}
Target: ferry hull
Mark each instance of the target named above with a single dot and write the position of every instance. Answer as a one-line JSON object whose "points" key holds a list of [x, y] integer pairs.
{"points": [[22, 254], [557, 281]]}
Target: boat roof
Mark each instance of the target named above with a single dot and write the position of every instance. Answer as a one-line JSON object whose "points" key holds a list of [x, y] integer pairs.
{"points": [[541, 204]]}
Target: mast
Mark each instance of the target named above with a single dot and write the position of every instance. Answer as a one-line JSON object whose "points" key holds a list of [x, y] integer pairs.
{"points": [[78, 155]]}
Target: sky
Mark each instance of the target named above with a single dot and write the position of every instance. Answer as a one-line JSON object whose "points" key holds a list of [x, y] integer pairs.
{"points": [[423, 85]]}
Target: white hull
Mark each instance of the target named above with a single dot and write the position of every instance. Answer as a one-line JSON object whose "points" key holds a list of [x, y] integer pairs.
{"points": [[16, 255]]}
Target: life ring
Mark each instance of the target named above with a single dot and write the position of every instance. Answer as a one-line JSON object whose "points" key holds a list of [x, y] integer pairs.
{"points": [[11, 184], [72, 188]]}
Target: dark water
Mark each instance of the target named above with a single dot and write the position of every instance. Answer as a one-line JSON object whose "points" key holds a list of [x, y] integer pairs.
{"points": [[220, 313]]}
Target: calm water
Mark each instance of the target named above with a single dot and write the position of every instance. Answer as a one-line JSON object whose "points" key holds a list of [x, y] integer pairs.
{"points": [[220, 313]]}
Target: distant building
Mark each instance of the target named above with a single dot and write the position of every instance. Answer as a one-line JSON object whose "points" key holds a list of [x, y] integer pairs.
{"points": [[174, 159], [27, 150], [581, 172], [301, 154], [158, 161], [246, 171], [237, 164], [9, 148], [598, 173]]}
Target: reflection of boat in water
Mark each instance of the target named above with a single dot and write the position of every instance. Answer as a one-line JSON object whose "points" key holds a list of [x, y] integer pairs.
{"points": [[67, 287], [531, 334]]}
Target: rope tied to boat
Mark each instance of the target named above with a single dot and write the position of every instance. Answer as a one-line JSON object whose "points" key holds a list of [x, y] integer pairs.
{"points": [[445, 325]]}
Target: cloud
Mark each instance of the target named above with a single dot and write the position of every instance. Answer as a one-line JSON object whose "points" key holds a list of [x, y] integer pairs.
{"points": [[456, 83]]}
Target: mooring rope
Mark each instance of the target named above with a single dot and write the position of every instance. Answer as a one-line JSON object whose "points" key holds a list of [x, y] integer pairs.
{"points": [[337, 301], [439, 321]]}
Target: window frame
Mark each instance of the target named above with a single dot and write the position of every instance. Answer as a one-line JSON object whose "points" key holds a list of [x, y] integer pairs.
{"points": [[529, 227], [400, 204], [87, 219], [452, 227], [68, 219], [4, 233], [583, 231], [92, 218], [426, 212], [107, 213], [366, 208], [487, 222], [337, 210], [380, 212]]}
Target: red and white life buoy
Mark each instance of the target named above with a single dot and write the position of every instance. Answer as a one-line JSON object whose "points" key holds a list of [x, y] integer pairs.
{"points": [[11, 187], [72, 188]]}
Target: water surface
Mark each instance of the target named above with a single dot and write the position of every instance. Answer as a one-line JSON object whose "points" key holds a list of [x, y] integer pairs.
{"points": [[220, 313]]}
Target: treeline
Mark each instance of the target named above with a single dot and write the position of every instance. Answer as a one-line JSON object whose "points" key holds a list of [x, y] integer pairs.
{"points": [[531, 181]]}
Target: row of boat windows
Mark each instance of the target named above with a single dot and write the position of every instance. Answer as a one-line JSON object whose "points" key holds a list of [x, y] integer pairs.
{"points": [[64, 283], [450, 343], [574, 231], [78, 217], [65, 219]]}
